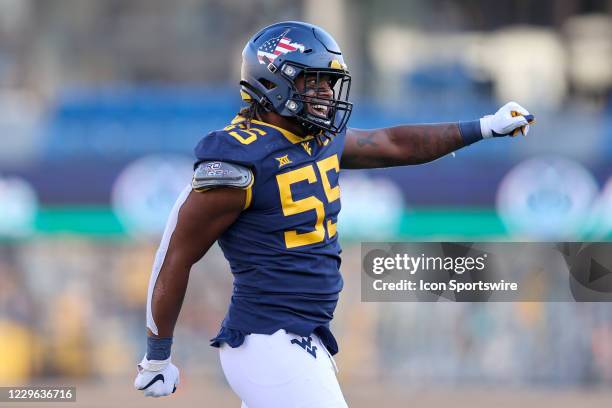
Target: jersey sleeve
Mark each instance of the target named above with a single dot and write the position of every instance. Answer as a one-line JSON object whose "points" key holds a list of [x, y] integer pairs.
{"points": [[222, 146]]}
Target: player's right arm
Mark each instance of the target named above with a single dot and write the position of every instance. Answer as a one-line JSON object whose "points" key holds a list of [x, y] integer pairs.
{"points": [[195, 223], [220, 190], [202, 218]]}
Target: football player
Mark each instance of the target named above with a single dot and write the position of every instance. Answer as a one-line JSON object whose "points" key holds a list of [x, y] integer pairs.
{"points": [[266, 189]]}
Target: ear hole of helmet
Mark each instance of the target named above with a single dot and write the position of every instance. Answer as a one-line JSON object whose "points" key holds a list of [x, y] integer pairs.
{"points": [[260, 97], [268, 84]]}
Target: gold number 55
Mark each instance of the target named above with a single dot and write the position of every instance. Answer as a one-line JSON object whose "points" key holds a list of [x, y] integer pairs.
{"points": [[291, 207]]}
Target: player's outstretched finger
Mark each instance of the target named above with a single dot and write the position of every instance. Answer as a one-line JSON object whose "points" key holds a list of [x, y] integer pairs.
{"points": [[515, 125], [521, 121]]}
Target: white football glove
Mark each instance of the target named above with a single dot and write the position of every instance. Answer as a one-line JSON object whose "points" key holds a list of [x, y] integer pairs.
{"points": [[156, 378], [509, 120]]}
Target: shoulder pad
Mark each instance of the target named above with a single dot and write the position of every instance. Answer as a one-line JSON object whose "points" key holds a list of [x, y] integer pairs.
{"points": [[211, 174]]}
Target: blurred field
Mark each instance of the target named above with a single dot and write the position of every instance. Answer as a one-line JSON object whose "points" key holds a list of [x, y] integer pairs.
{"points": [[207, 392]]}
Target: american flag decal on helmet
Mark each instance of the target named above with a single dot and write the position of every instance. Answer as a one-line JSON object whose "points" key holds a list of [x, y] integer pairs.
{"points": [[276, 46]]}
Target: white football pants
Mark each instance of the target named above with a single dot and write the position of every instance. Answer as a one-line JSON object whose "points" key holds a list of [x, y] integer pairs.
{"points": [[282, 370]]}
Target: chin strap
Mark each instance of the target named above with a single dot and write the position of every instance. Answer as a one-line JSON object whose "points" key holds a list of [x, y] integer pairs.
{"points": [[318, 133], [322, 137], [262, 99]]}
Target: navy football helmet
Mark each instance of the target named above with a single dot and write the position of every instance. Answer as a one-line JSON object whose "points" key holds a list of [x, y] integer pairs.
{"points": [[279, 54]]}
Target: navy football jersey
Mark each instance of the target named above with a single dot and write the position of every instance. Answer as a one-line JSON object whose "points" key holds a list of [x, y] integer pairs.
{"points": [[283, 249]]}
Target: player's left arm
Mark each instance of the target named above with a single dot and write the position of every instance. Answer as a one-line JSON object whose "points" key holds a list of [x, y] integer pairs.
{"points": [[416, 144]]}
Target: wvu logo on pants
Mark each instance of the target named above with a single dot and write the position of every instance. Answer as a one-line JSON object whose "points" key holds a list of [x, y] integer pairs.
{"points": [[306, 344]]}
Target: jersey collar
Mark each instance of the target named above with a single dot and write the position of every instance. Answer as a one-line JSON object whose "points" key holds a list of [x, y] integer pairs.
{"points": [[291, 137]]}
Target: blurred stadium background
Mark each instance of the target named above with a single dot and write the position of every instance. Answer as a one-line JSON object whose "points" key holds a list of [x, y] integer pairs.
{"points": [[102, 101]]}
